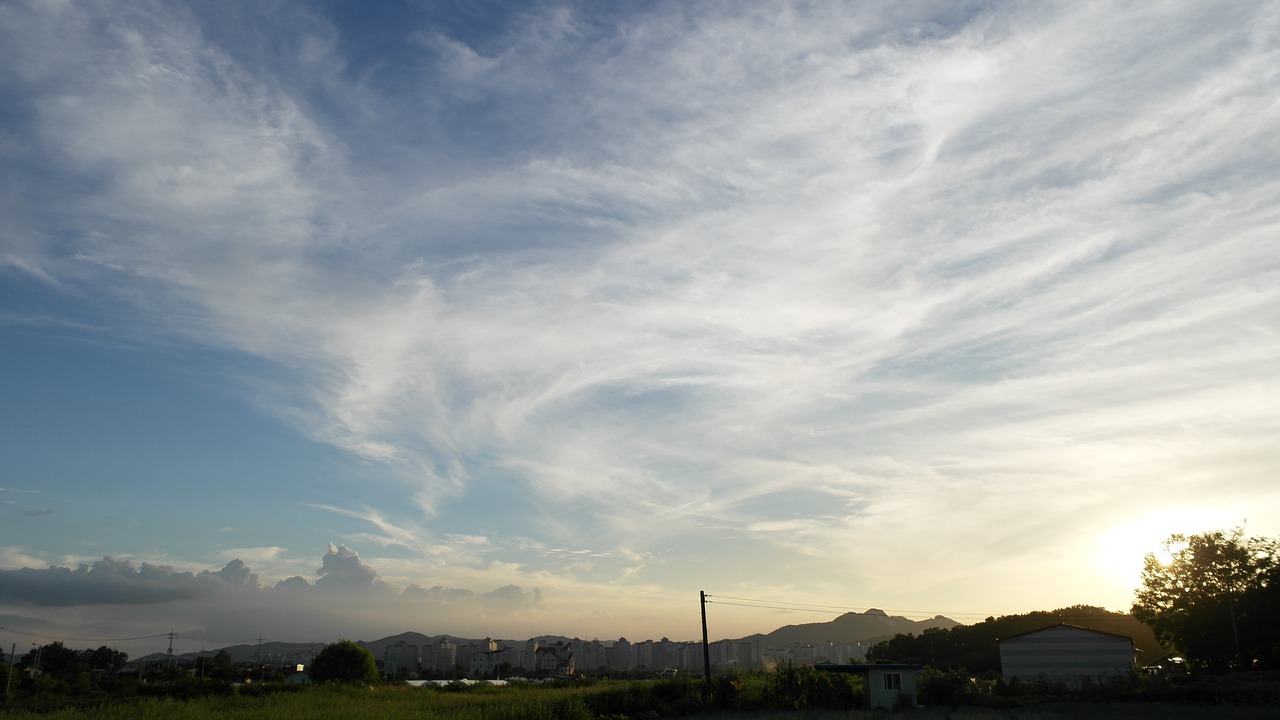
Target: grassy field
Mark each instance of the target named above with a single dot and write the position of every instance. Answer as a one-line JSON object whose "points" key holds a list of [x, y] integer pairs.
{"points": [[336, 704], [600, 703], [1066, 711]]}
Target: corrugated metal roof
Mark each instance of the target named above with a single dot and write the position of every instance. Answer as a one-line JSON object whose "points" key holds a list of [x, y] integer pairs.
{"points": [[1065, 625]]}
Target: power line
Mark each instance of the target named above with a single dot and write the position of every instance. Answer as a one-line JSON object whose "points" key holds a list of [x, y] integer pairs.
{"points": [[773, 607], [840, 609], [80, 639], [830, 609], [766, 606]]}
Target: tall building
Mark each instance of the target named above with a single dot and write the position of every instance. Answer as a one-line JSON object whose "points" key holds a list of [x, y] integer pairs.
{"points": [[590, 656], [620, 655], [441, 659], [401, 658]]}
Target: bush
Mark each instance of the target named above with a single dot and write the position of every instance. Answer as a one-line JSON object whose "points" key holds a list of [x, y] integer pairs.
{"points": [[943, 687], [726, 690], [793, 687], [639, 699]]}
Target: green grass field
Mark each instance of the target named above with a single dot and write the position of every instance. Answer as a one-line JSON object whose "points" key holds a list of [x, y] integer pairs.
{"points": [[602, 702], [1066, 711], [337, 703]]}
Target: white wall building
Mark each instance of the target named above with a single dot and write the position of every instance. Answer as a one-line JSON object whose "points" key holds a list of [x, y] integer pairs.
{"points": [[488, 662], [556, 659]]}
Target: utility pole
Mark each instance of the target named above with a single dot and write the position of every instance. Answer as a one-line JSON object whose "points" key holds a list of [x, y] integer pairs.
{"points": [[706, 648], [172, 635], [13, 653], [259, 655]]}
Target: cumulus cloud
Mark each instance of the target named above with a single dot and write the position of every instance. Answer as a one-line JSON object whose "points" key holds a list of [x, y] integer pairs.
{"points": [[107, 581], [342, 570], [513, 595], [236, 574], [439, 592], [293, 584], [229, 604], [508, 596], [120, 582]]}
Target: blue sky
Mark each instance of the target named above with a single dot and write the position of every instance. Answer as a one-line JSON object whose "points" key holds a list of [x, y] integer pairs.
{"points": [[343, 319]]}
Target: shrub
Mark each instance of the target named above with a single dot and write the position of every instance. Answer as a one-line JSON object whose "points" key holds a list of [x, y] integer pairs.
{"points": [[944, 687], [644, 699], [792, 687]]}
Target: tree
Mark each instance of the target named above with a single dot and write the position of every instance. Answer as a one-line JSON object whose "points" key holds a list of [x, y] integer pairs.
{"points": [[1209, 598], [345, 662], [57, 661], [105, 658], [218, 667], [1261, 611]]}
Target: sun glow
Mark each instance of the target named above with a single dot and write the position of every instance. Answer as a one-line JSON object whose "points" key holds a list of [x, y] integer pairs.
{"points": [[1122, 549]]}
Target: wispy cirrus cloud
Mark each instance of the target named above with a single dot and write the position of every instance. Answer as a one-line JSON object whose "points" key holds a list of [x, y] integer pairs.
{"points": [[778, 274]]}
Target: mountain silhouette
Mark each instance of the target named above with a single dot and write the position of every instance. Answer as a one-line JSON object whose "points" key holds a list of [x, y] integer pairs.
{"points": [[865, 627]]}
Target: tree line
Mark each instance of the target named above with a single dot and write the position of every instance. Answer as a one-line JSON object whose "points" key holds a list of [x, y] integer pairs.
{"points": [[975, 649], [1213, 597], [59, 661], [55, 665]]}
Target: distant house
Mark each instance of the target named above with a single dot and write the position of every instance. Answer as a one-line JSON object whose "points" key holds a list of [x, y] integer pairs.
{"points": [[302, 677], [886, 685], [489, 661], [555, 659], [1066, 654], [1169, 666]]}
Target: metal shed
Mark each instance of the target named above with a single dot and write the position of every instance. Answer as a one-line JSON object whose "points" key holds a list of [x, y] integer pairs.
{"points": [[1066, 654]]}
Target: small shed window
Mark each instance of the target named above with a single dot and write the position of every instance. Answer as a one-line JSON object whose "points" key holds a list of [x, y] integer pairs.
{"points": [[893, 681]]}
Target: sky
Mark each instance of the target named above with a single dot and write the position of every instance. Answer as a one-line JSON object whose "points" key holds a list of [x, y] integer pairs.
{"points": [[334, 319]]}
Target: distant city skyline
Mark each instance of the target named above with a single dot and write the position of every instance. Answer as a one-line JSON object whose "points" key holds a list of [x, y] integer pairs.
{"points": [[805, 642], [325, 319]]}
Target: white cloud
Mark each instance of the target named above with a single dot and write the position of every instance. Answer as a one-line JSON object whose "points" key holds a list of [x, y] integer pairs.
{"points": [[12, 558], [789, 274]]}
